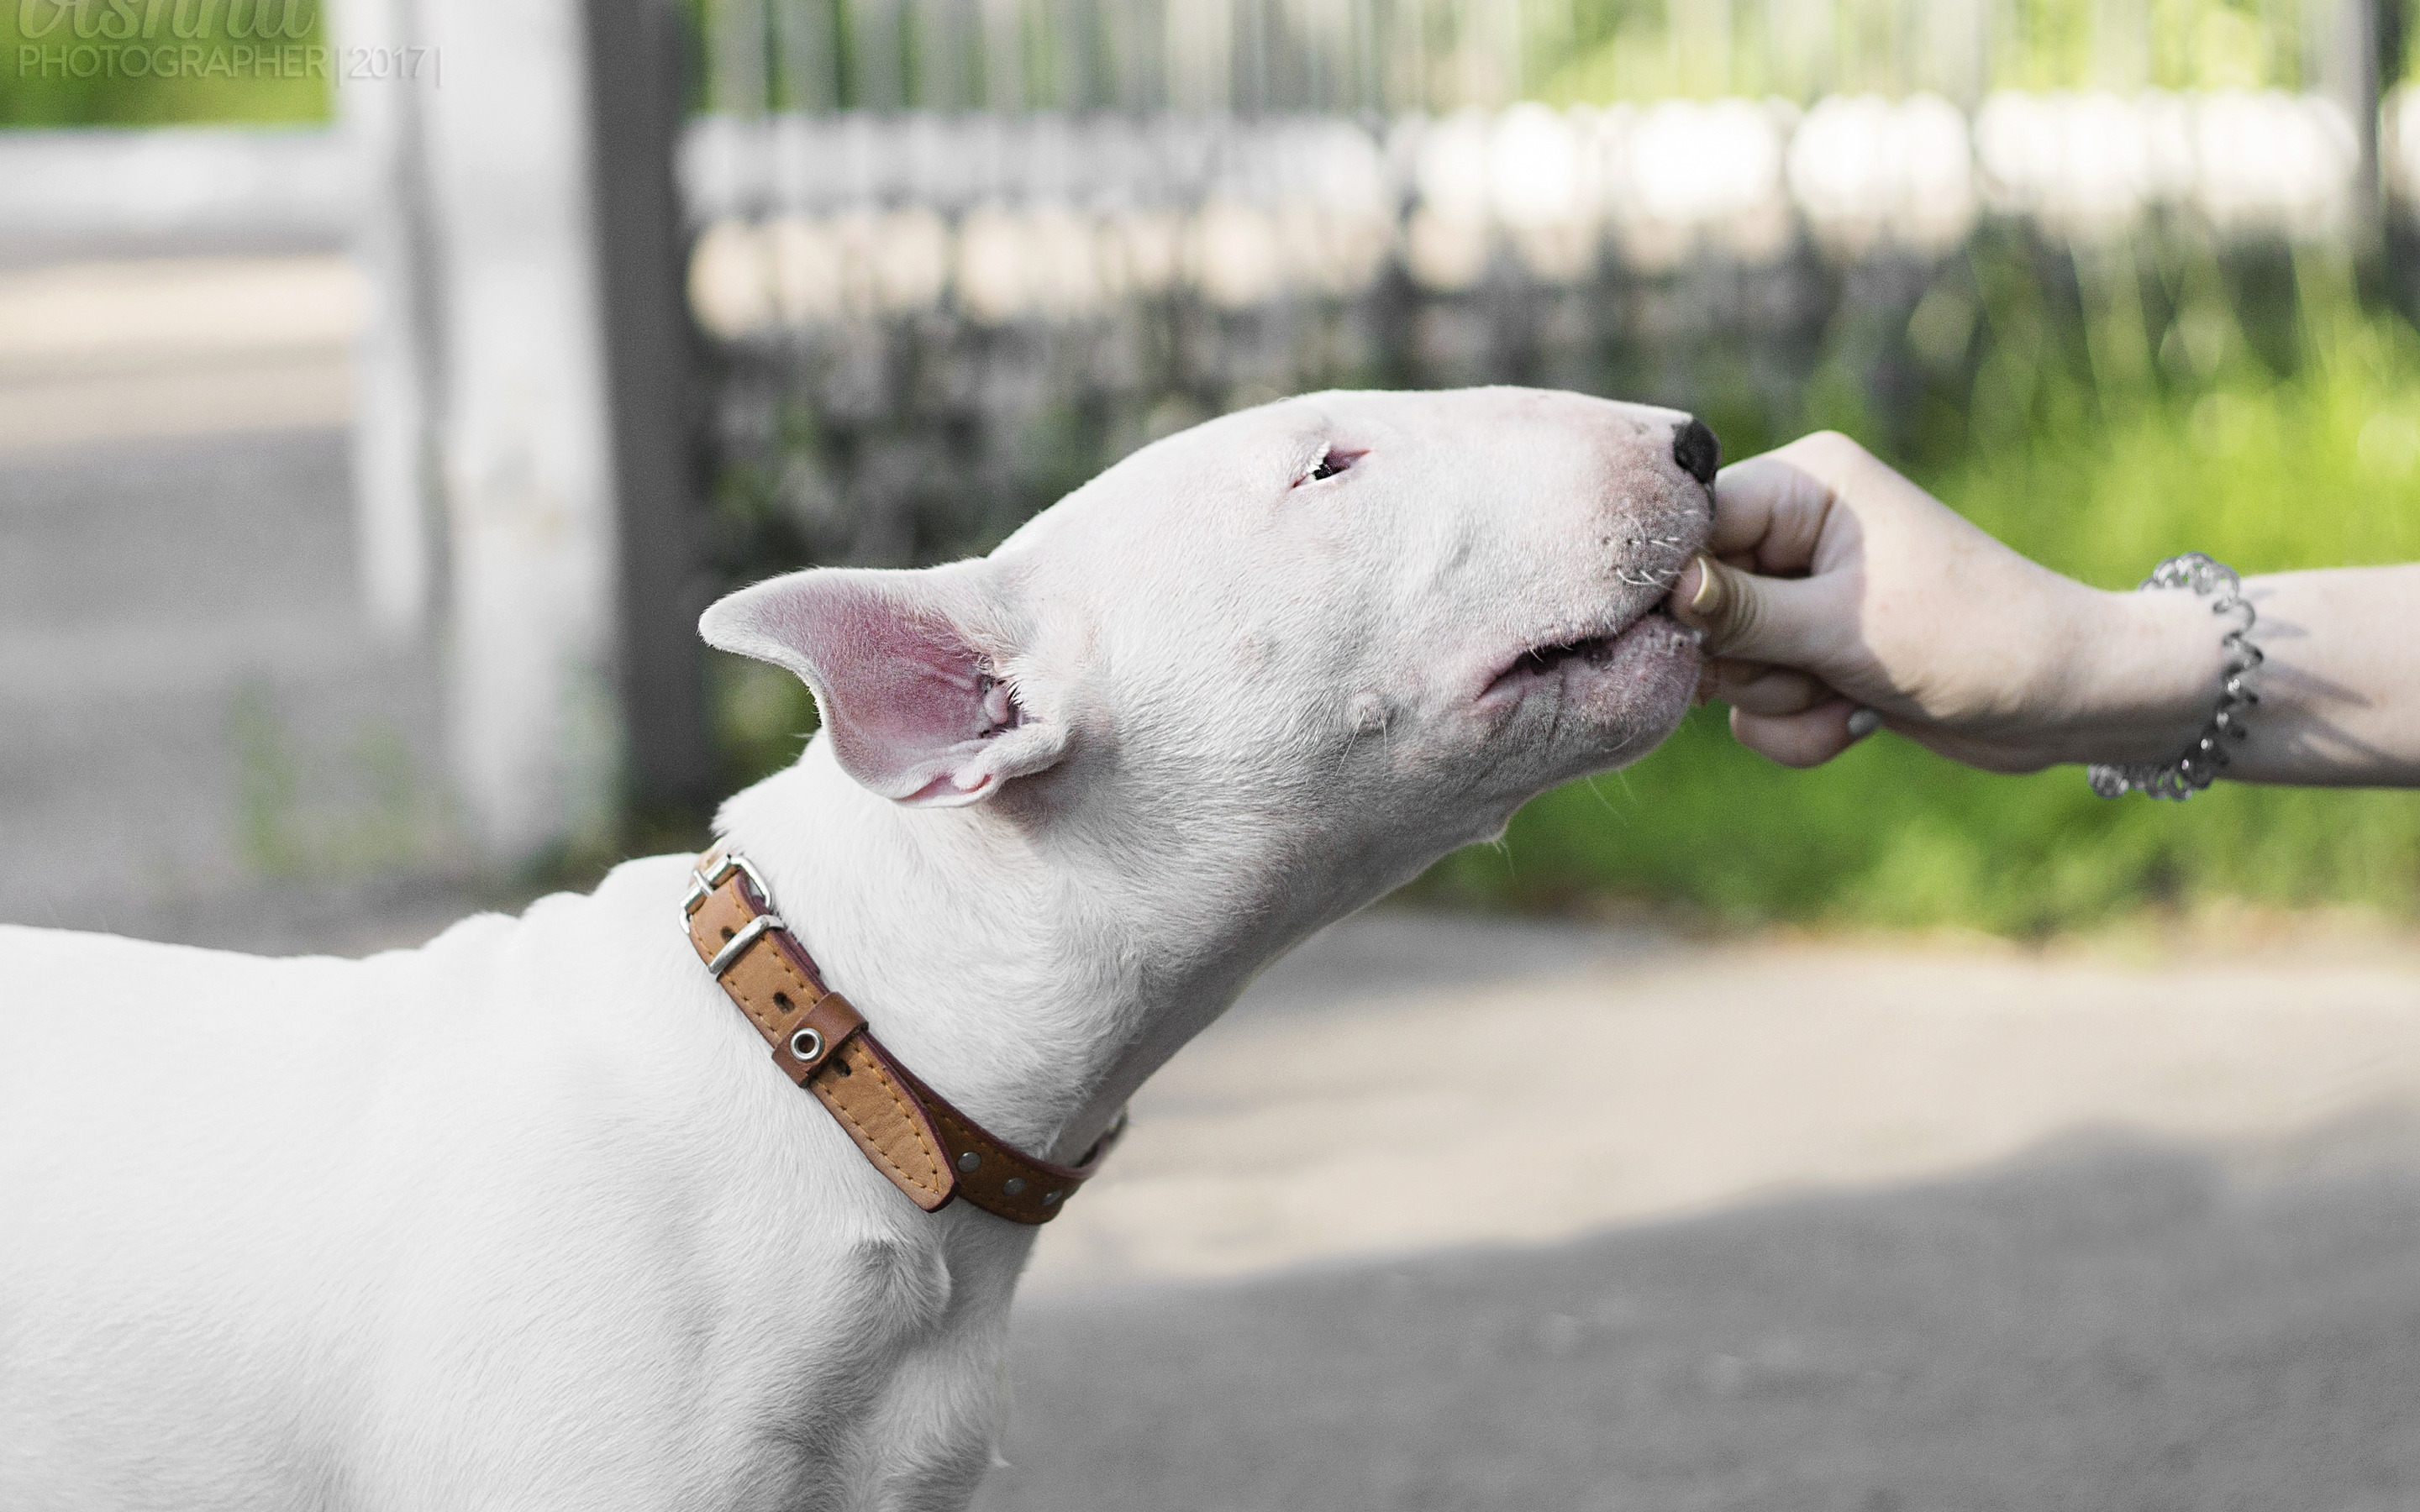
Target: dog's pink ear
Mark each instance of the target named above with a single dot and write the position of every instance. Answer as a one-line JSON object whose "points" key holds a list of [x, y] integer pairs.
{"points": [[902, 668]]}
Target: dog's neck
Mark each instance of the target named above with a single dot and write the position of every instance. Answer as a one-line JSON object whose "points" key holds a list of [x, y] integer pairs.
{"points": [[1035, 991]]}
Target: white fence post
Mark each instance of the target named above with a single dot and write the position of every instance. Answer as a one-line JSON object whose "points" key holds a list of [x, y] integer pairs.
{"points": [[528, 489], [486, 475], [399, 384]]}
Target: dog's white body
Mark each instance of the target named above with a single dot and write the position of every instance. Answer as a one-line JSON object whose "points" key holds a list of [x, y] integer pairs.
{"points": [[522, 1219]]}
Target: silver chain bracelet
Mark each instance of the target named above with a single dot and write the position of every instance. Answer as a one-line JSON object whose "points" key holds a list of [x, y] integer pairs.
{"points": [[2198, 767]]}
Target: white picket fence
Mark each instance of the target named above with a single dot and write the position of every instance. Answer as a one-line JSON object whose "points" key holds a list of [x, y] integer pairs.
{"points": [[804, 220]]}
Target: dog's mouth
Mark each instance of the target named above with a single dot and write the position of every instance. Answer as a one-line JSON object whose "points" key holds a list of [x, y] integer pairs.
{"points": [[1545, 661], [1595, 653]]}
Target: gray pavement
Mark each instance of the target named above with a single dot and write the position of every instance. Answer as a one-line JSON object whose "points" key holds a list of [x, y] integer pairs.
{"points": [[2093, 1327], [1907, 1229], [199, 738]]}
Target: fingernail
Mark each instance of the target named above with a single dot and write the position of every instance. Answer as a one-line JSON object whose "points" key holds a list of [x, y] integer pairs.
{"points": [[1864, 722], [1709, 594]]}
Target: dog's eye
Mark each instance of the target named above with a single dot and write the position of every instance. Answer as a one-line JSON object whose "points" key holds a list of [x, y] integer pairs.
{"points": [[1331, 463]]}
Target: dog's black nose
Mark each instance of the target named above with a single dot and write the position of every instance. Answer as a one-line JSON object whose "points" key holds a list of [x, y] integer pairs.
{"points": [[1697, 449]]}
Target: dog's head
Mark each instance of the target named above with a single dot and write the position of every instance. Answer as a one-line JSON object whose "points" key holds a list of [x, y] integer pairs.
{"points": [[1368, 619]]}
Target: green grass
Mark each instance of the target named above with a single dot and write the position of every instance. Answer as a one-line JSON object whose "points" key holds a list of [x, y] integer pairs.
{"points": [[2099, 451]]}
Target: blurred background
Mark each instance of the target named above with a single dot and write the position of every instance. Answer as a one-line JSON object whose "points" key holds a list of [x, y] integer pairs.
{"points": [[386, 384]]}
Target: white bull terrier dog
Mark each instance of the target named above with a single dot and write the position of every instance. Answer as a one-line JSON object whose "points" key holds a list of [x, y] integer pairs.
{"points": [[522, 1219]]}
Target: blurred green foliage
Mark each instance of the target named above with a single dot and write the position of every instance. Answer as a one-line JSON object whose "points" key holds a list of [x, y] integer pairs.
{"points": [[2138, 413], [163, 62], [1600, 51]]}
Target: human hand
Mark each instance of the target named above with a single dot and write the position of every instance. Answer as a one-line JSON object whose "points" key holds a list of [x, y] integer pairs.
{"points": [[1839, 598]]}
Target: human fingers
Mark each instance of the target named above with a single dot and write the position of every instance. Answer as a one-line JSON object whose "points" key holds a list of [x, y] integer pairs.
{"points": [[1808, 738], [1759, 689], [1743, 616], [1773, 511]]}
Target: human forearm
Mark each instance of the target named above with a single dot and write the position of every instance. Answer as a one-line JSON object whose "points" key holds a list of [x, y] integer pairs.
{"points": [[2339, 691]]}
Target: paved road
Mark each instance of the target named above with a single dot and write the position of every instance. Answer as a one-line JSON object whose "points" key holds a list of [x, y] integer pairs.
{"points": [[2123, 1327], [200, 737], [1960, 1230], [1415, 1083], [1818, 1228]]}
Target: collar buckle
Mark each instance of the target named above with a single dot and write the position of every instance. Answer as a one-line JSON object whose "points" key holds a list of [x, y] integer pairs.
{"points": [[703, 880]]}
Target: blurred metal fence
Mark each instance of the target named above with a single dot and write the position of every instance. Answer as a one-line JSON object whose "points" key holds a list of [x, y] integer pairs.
{"points": [[957, 255], [1384, 58]]}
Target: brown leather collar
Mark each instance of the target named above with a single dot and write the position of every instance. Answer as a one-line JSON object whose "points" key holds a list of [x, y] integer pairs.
{"points": [[911, 1134]]}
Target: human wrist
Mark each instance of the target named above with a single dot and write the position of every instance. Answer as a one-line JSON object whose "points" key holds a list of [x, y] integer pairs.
{"points": [[2146, 670]]}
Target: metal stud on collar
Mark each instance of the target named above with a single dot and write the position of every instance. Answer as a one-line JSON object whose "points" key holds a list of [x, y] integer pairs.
{"points": [[806, 1044]]}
